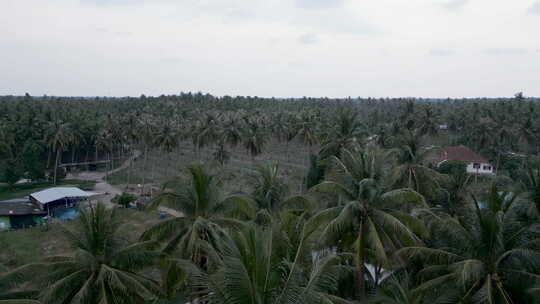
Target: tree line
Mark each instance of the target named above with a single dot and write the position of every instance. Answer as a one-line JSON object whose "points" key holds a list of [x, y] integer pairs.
{"points": [[37, 134]]}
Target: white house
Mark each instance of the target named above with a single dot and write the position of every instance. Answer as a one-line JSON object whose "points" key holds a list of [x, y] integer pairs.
{"points": [[476, 164]]}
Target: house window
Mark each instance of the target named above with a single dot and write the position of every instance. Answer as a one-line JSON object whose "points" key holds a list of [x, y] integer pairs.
{"points": [[476, 166], [487, 167]]}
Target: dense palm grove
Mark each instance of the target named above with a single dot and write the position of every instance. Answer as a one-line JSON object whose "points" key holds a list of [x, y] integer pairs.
{"points": [[375, 221]]}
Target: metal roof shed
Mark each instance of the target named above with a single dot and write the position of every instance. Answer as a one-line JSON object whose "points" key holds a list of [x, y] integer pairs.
{"points": [[53, 194]]}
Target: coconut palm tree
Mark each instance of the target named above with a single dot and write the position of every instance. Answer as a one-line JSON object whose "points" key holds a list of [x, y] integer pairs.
{"points": [[254, 137], [398, 288], [412, 171], [257, 270], [76, 138], [205, 130], [307, 135], [454, 200], [315, 172], [230, 134], [286, 128], [9, 295], [530, 184], [104, 268], [7, 141], [481, 135], [271, 192], [306, 130], [104, 142], [58, 136], [429, 125], [369, 218], [146, 131], [483, 258], [206, 209], [167, 140], [221, 154], [345, 132]]}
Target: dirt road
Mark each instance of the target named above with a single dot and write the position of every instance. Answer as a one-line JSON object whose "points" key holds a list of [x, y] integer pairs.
{"points": [[103, 186], [108, 190]]}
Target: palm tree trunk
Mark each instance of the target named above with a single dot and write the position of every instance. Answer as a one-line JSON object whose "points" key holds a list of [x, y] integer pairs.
{"points": [[307, 160], [56, 164], [107, 168], [167, 162], [130, 168], [49, 152], [152, 176], [287, 150], [144, 167], [498, 162], [86, 160], [410, 178], [197, 150], [111, 157], [360, 267], [179, 157]]}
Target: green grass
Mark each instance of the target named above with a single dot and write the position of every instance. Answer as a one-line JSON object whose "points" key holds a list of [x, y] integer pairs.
{"points": [[23, 190], [31, 245]]}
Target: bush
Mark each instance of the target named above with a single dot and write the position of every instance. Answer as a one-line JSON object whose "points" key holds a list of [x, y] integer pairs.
{"points": [[124, 199], [11, 173]]}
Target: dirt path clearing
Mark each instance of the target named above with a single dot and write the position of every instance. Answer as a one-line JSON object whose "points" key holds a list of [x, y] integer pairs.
{"points": [[110, 191]]}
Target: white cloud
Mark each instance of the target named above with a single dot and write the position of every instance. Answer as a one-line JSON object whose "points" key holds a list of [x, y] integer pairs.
{"points": [[268, 47], [341, 20], [112, 3], [308, 38], [441, 52], [454, 4], [319, 4], [534, 9], [505, 51]]}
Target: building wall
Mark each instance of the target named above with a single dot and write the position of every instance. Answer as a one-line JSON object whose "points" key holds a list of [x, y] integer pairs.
{"points": [[484, 168], [23, 221]]}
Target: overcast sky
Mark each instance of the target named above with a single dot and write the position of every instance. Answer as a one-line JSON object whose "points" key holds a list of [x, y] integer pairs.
{"points": [[281, 48]]}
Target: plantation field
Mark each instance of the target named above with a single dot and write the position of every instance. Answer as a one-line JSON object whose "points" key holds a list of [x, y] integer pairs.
{"points": [[382, 213], [162, 166]]}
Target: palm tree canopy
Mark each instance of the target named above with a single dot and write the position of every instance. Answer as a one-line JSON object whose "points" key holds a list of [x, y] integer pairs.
{"points": [[103, 269], [255, 269], [484, 258], [206, 209], [369, 219]]}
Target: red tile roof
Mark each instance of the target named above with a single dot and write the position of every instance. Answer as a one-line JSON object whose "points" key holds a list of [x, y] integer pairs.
{"points": [[462, 153]]}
